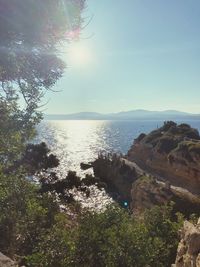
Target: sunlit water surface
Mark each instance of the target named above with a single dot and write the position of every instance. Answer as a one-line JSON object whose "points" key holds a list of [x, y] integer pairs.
{"points": [[80, 141]]}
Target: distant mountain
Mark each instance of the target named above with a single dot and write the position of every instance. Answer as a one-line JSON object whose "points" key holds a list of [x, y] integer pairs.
{"points": [[75, 116], [125, 115]]}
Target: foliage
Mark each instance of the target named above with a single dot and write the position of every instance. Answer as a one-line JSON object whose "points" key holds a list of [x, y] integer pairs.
{"points": [[56, 247], [37, 158], [189, 149], [24, 215], [174, 141], [167, 125], [29, 63], [166, 144], [11, 139], [163, 229], [62, 187], [110, 238]]}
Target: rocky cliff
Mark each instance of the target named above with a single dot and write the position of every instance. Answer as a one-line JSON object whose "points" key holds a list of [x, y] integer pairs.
{"points": [[118, 177], [188, 253], [127, 183], [171, 152], [147, 192]]}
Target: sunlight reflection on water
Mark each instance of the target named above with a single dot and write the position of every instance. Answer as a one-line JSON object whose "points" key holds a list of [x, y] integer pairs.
{"points": [[74, 141]]}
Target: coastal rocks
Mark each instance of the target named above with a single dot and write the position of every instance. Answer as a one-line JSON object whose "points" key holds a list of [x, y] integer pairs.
{"points": [[171, 152], [188, 252], [6, 262], [118, 176], [147, 192]]}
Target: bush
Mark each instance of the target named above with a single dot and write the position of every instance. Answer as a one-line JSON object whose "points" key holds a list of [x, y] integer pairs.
{"points": [[163, 228], [166, 144], [24, 215], [56, 247], [114, 238]]}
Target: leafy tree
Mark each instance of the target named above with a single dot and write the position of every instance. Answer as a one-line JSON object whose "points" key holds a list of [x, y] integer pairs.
{"points": [[30, 34], [24, 215], [112, 238], [163, 228], [56, 247], [37, 158], [11, 139]]}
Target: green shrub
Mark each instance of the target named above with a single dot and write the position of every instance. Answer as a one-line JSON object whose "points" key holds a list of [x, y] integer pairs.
{"points": [[24, 214]]}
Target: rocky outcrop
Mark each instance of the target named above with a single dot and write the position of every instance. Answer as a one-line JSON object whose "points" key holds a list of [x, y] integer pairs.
{"points": [[118, 176], [171, 152], [188, 253], [6, 262], [147, 192], [125, 182]]}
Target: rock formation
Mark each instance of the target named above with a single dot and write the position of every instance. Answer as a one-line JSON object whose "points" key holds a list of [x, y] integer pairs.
{"points": [[188, 253], [119, 177], [162, 166], [171, 152], [6, 262], [147, 192]]}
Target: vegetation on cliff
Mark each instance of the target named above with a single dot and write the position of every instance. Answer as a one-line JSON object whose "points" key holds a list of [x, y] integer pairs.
{"points": [[171, 152], [170, 136]]}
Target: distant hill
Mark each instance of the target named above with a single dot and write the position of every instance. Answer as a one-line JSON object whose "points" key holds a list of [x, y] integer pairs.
{"points": [[75, 116], [125, 115]]}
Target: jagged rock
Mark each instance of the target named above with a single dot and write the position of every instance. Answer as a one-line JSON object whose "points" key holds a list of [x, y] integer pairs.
{"points": [[188, 252], [117, 175], [6, 262]]}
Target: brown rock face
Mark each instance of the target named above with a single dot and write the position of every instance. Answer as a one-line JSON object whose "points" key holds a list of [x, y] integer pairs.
{"points": [[188, 253], [118, 176], [147, 192], [6, 262], [171, 152]]}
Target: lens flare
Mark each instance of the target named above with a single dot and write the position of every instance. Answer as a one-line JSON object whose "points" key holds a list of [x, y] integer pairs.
{"points": [[79, 55]]}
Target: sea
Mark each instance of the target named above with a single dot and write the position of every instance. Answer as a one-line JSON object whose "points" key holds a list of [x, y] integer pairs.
{"points": [[76, 141]]}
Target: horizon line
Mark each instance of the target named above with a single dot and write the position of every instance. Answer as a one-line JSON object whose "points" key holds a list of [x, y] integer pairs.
{"points": [[123, 111]]}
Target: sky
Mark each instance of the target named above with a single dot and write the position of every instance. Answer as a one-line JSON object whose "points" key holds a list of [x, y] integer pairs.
{"points": [[133, 54]]}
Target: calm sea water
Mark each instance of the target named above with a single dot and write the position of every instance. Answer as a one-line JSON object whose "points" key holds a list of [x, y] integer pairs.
{"points": [[80, 141]]}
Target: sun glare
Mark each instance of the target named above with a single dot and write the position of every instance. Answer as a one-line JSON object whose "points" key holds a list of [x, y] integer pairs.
{"points": [[79, 55]]}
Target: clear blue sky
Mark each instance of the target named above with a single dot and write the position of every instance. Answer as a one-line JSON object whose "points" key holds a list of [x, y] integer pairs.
{"points": [[133, 54]]}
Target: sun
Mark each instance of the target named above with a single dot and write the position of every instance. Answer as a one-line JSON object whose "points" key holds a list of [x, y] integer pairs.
{"points": [[79, 55]]}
